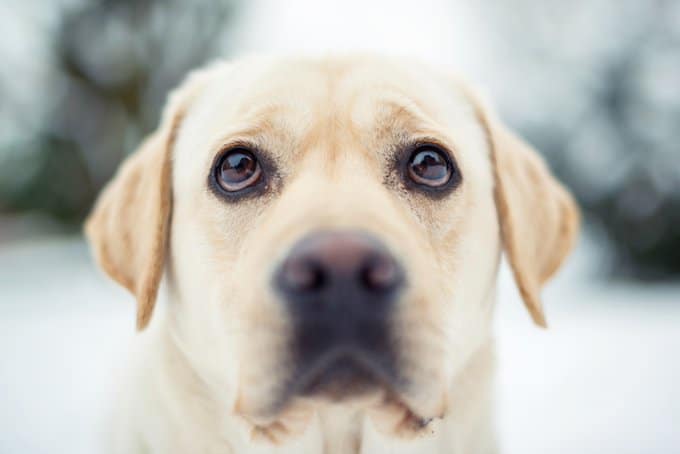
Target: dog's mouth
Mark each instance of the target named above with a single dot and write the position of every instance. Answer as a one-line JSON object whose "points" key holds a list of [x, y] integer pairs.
{"points": [[388, 410], [342, 376], [343, 379]]}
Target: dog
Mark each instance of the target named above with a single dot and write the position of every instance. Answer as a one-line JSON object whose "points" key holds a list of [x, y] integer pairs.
{"points": [[327, 232]]}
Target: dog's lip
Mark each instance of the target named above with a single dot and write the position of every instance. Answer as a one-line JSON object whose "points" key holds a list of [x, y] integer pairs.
{"points": [[394, 415], [343, 377], [380, 394], [389, 410], [344, 374], [375, 386]]}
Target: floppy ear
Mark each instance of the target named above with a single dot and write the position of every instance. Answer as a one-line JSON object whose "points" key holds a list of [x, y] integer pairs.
{"points": [[538, 217], [128, 227]]}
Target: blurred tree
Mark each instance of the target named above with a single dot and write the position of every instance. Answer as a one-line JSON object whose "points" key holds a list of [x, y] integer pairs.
{"points": [[595, 85], [113, 64]]}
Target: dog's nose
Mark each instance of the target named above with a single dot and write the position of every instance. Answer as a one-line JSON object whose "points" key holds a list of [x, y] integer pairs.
{"points": [[346, 272]]}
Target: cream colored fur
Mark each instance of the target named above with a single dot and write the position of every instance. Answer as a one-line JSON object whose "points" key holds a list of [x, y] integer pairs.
{"points": [[213, 359]]}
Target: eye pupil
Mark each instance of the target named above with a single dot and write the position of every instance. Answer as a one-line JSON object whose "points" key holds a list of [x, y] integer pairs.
{"points": [[238, 166], [429, 167], [238, 169]]}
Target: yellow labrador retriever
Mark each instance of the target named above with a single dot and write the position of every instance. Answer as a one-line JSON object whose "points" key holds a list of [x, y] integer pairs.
{"points": [[328, 234]]}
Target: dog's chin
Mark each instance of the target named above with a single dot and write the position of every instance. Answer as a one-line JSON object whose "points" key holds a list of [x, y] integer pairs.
{"points": [[348, 381], [389, 412]]}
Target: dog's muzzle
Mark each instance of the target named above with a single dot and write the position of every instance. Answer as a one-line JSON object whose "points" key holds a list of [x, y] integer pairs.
{"points": [[340, 288]]}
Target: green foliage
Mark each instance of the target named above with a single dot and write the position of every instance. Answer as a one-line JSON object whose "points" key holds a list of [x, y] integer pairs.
{"points": [[113, 63]]}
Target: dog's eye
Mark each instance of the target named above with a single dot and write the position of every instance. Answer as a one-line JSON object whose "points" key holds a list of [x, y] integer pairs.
{"points": [[429, 166], [237, 169]]}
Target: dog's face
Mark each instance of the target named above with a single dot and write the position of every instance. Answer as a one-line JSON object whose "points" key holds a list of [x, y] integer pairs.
{"points": [[333, 230]]}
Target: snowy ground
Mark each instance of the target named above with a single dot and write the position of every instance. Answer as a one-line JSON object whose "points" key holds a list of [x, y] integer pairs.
{"points": [[604, 378]]}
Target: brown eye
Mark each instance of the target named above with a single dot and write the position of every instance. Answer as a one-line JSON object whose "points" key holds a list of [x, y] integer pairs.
{"points": [[429, 166], [238, 169]]}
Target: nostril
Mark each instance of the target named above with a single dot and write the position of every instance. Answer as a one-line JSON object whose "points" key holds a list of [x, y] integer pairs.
{"points": [[303, 276], [338, 270], [380, 274]]}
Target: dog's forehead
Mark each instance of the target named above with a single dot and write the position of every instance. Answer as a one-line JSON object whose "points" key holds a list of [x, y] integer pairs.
{"points": [[294, 95]]}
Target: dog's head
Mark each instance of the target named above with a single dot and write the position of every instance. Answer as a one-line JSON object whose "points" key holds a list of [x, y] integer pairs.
{"points": [[330, 231]]}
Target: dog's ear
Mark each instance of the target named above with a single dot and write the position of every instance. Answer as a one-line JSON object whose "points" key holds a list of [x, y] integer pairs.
{"points": [[128, 227], [538, 217]]}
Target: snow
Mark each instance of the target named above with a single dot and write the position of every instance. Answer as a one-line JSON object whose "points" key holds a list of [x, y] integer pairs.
{"points": [[602, 379]]}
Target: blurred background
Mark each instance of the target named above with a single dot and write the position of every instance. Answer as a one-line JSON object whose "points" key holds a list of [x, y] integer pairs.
{"points": [[594, 85]]}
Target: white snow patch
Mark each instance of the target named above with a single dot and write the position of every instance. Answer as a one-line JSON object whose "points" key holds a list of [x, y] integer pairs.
{"points": [[602, 379]]}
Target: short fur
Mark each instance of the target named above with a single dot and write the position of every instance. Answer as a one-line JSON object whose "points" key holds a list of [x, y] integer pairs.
{"points": [[210, 365]]}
